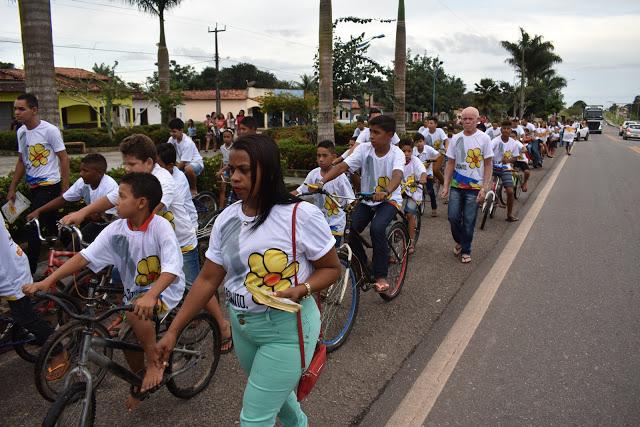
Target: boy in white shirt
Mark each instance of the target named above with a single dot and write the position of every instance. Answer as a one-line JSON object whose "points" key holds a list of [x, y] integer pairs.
{"points": [[189, 158], [92, 184], [145, 251], [494, 131], [569, 134], [436, 138], [335, 216], [505, 153], [223, 173], [427, 155], [415, 177], [382, 165]]}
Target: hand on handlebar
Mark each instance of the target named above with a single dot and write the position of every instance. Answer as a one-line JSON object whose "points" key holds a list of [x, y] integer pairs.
{"points": [[379, 196], [74, 218], [314, 188], [32, 288], [33, 215]]}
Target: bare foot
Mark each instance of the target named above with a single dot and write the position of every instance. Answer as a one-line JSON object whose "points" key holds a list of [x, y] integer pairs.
{"points": [[382, 285], [524, 188], [152, 377], [131, 403]]}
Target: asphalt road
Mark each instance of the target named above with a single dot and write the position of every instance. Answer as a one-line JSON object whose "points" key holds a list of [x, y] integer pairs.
{"points": [[362, 374], [557, 345]]}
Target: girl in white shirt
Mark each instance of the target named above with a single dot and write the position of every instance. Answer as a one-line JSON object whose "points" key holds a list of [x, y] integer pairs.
{"points": [[251, 245]]}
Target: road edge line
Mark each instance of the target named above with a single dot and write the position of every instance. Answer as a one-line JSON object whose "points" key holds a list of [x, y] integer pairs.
{"points": [[423, 394]]}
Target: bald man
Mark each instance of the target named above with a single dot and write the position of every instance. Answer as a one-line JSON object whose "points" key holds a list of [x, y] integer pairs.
{"points": [[467, 178]]}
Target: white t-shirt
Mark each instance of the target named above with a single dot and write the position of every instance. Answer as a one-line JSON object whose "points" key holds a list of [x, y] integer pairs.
{"points": [[140, 257], [80, 190], [356, 133], [336, 218], [542, 134], [264, 256], [435, 139], [570, 132], [14, 268], [505, 150], [38, 148], [469, 153], [530, 126], [428, 153], [412, 173], [183, 192], [493, 133], [376, 171], [519, 130], [186, 150], [365, 136], [225, 153]]}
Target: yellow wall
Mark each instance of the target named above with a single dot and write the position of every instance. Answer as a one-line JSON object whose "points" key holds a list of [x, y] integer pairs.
{"points": [[9, 96], [78, 114]]}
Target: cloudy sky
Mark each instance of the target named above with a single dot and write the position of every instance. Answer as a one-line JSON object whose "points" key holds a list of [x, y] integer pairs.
{"points": [[598, 41]]}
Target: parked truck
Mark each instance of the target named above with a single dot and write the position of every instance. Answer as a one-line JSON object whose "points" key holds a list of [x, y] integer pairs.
{"points": [[594, 115]]}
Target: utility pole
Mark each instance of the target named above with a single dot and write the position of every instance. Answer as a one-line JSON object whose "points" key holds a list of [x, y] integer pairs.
{"points": [[217, 58]]}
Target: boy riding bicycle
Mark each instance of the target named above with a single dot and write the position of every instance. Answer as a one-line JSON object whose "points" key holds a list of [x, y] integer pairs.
{"points": [[145, 250], [427, 155], [505, 152], [415, 177], [382, 167]]}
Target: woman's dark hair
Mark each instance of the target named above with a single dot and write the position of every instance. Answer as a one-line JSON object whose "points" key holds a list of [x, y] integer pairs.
{"points": [[263, 151]]}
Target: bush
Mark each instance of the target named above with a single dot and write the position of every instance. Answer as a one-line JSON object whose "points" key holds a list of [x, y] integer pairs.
{"points": [[297, 154]]}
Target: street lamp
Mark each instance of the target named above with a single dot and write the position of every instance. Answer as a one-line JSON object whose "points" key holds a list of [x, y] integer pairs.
{"points": [[365, 44], [436, 64]]}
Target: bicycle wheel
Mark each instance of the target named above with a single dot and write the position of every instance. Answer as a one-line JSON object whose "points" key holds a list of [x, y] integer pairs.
{"points": [[418, 227], [26, 349], [67, 339], [201, 335], [206, 204], [339, 307], [517, 186], [487, 207], [398, 239], [494, 205], [67, 408]]}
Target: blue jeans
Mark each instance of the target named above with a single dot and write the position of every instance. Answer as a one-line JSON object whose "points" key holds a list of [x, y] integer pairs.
{"points": [[190, 267], [431, 193], [379, 216], [463, 209], [534, 149]]}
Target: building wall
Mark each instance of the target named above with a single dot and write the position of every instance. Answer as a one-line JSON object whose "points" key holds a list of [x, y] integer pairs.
{"points": [[77, 114], [153, 112], [197, 110]]}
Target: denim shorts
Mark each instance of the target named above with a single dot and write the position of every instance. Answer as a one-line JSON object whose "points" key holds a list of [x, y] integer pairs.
{"points": [[409, 206], [197, 167]]}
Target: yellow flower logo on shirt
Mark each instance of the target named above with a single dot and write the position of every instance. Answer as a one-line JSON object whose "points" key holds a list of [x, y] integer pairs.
{"points": [[38, 155], [474, 158], [331, 207], [148, 271], [507, 155], [383, 183], [271, 271], [168, 215], [437, 144], [410, 184]]}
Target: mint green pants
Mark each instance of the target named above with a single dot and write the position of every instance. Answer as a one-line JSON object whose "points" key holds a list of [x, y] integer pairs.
{"points": [[267, 346]]}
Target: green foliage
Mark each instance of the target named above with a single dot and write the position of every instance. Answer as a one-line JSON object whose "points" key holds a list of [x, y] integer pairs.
{"points": [[209, 178], [301, 108], [298, 154], [309, 134]]}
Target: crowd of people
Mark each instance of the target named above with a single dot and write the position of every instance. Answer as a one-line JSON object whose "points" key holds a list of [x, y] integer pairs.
{"points": [[145, 226]]}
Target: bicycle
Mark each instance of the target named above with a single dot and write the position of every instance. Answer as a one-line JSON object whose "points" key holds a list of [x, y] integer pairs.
{"points": [[340, 301], [21, 340], [420, 204], [490, 200], [206, 204], [77, 400], [518, 179]]}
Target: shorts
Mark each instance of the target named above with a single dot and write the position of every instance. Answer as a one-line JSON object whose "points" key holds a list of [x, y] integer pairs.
{"points": [[568, 143], [409, 206], [523, 166], [197, 167], [506, 177]]}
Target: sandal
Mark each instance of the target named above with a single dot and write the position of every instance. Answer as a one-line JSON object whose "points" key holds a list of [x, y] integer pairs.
{"points": [[465, 259], [457, 250], [381, 288], [226, 342], [511, 219]]}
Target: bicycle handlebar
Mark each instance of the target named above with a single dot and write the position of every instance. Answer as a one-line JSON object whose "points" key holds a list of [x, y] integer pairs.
{"points": [[80, 317], [35, 222], [61, 227]]}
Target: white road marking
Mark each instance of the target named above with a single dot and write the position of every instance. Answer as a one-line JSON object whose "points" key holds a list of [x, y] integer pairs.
{"points": [[420, 399]]}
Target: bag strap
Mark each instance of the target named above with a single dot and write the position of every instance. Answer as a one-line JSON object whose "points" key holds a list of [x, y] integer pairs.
{"points": [[295, 278]]}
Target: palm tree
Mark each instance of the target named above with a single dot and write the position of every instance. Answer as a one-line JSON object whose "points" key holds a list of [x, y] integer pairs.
{"points": [[37, 49], [487, 96], [325, 88], [400, 71], [531, 57], [308, 83], [158, 8]]}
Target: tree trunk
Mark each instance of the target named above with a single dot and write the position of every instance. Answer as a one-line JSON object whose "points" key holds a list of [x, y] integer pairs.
{"points": [[400, 71], [37, 49], [522, 87], [325, 83], [163, 69]]}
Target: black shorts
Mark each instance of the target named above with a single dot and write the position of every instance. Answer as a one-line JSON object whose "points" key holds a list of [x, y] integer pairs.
{"points": [[523, 166]]}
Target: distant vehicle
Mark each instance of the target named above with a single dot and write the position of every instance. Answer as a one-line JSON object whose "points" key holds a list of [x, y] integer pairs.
{"points": [[583, 131], [632, 131], [594, 115], [624, 126]]}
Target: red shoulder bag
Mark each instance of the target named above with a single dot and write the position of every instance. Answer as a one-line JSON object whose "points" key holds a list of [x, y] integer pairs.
{"points": [[311, 373]]}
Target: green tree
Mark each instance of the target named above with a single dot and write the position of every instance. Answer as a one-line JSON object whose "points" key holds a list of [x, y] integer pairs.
{"points": [[37, 51], [237, 76], [181, 77], [7, 65], [158, 8], [308, 83], [400, 71], [579, 104], [325, 70], [488, 97]]}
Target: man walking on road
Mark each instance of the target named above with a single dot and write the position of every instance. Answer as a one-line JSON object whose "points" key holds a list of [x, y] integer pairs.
{"points": [[468, 173]]}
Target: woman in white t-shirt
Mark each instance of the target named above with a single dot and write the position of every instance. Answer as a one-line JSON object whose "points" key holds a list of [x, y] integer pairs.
{"points": [[251, 246]]}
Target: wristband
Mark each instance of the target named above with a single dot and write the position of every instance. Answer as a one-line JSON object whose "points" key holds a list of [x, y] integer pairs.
{"points": [[308, 287]]}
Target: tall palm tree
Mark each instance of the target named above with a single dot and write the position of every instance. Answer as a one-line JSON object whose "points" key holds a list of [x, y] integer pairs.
{"points": [[325, 83], [487, 96], [308, 83], [400, 71], [158, 8], [37, 49], [531, 57]]}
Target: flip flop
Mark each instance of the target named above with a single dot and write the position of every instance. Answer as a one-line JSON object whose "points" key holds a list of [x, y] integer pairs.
{"points": [[512, 219], [227, 341], [57, 372], [381, 288], [465, 259], [457, 250]]}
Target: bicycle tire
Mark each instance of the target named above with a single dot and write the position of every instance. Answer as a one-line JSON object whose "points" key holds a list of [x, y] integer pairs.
{"points": [[189, 342], [494, 205], [206, 204], [418, 228], [517, 187], [332, 298], [398, 239], [24, 349], [501, 193], [72, 395], [48, 389], [486, 208]]}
